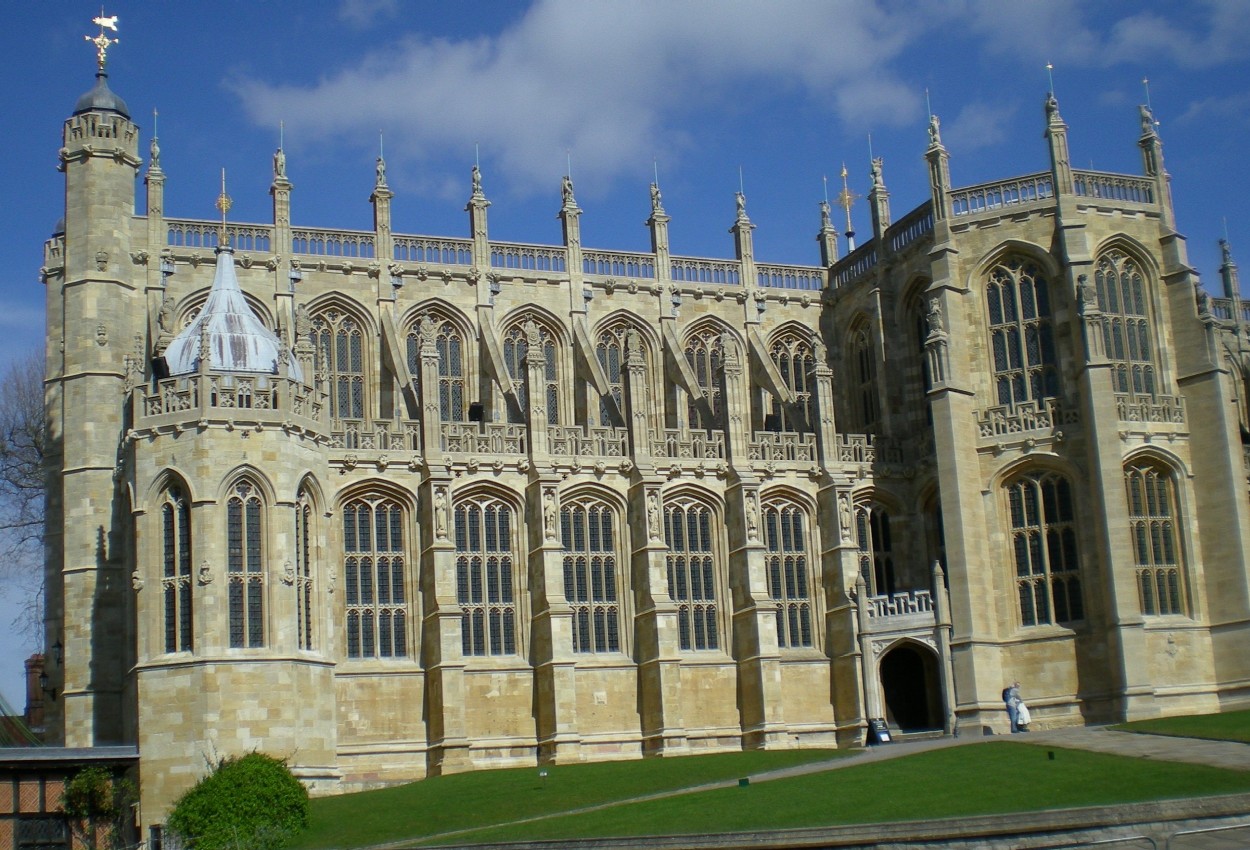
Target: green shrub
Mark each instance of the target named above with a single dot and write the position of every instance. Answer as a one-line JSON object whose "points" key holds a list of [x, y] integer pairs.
{"points": [[250, 802], [98, 806]]}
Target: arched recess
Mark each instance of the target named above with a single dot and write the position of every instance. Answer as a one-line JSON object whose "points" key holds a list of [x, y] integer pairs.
{"points": [[169, 520], [307, 564], [344, 336], [876, 514], [376, 534], [792, 546], [1158, 529], [911, 686], [453, 337], [792, 350], [247, 497], [611, 337], [860, 357], [703, 346], [520, 330], [595, 566], [913, 319], [696, 567], [491, 585]]}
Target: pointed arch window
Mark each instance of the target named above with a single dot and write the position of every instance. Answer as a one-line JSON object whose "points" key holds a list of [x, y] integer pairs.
{"points": [[176, 584], [246, 566], [1126, 326], [375, 586], [1156, 546], [302, 580], [591, 556], [691, 562], [1021, 338], [1045, 551], [449, 342], [340, 349], [612, 350], [787, 568], [706, 356], [876, 549], [792, 355], [485, 578], [516, 344], [864, 363]]}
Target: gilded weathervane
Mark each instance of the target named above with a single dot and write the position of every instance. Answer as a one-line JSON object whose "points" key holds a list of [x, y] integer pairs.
{"points": [[102, 41], [223, 204]]}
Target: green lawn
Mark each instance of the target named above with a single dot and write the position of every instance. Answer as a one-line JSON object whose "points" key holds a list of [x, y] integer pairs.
{"points": [[1229, 726], [986, 778], [487, 797]]}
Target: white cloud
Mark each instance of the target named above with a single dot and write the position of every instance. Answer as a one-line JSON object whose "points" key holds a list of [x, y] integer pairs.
{"points": [[1234, 109], [978, 125], [614, 82], [361, 14]]}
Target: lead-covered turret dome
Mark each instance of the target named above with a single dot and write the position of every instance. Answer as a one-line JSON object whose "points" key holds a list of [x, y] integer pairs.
{"points": [[101, 98], [237, 340]]}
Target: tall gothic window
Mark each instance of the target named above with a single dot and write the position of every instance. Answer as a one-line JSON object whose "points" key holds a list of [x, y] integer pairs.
{"points": [[245, 565], [1043, 536], [792, 355], [787, 569], [305, 546], [176, 573], [867, 405], [1021, 340], [876, 551], [485, 577], [612, 351], [587, 530], [451, 366], [516, 344], [339, 343], [1156, 550], [373, 570], [706, 357], [1126, 330], [688, 529]]}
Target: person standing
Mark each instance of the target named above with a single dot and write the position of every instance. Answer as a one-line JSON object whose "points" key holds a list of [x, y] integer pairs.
{"points": [[1011, 697]]}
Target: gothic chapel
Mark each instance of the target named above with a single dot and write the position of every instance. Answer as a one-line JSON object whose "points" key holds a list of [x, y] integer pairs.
{"points": [[392, 505]]}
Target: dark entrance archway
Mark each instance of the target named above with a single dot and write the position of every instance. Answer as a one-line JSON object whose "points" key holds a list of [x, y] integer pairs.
{"points": [[911, 687]]}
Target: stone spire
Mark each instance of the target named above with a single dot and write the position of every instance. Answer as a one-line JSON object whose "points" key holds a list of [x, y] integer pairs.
{"points": [[1057, 136], [939, 170], [879, 201], [1228, 272]]}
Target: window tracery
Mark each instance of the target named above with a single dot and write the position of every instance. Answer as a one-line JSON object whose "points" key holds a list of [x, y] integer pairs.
{"points": [[245, 566], [875, 548], [485, 577], [1156, 546], [302, 580], [591, 558], [691, 563], [516, 343], [452, 388], [1045, 551], [612, 350], [340, 351], [1021, 338], [374, 587], [863, 362], [176, 584], [788, 573], [706, 355], [792, 354], [1126, 323]]}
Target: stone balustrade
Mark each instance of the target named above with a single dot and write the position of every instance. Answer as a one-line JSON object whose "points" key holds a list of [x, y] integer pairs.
{"points": [[987, 197], [680, 444], [365, 435], [885, 607], [576, 441], [264, 399], [506, 438], [1012, 420], [782, 446], [1160, 409]]}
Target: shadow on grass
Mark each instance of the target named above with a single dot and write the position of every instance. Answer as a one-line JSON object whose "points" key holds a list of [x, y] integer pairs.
{"points": [[1228, 726]]}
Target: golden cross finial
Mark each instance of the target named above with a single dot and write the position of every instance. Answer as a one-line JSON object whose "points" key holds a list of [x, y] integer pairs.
{"points": [[102, 41], [223, 203], [845, 198]]}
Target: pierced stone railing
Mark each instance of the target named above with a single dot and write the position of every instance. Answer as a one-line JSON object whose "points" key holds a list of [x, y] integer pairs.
{"points": [[783, 445], [856, 448], [365, 435], [576, 441], [186, 233], [1158, 409], [1222, 308], [618, 264], [1003, 193], [358, 244], [910, 227], [429, 249], [1008, 420], [790, 277], [266, 398], [701, 270], [531, 258], [1113, 187], [491, 438], [680, 444], [917, 602], [855, 264]]}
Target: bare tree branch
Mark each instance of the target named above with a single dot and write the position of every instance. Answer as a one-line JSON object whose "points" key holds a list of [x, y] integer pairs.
{"points": [[23, 442]]}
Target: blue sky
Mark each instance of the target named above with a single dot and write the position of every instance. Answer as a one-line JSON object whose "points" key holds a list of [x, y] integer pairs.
{"points": [[781, 92]]}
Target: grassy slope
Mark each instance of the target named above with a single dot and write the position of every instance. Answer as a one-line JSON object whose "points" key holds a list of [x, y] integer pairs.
{"points": [[1230, 726], [985, 779], [489, 797]]}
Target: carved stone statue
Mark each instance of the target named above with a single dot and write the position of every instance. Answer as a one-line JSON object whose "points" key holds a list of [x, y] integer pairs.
{"points": [[845, 516], [477, 182], [825, 220], [165, 316], [934, 316], [819, 352], [935, 130], [1147, 120], [753, 517], [566, 190], [440, 513], [380, 168], [1087, 292], [279, 164], [655, 198], [303, 323], [653, 514], [549, 514], [532, 338], [741, 201], [206, 573], [877, 180], [154, 153]]}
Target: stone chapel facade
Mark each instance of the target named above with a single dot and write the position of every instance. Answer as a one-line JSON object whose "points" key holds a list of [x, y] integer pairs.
{"points": [[395, 505]]}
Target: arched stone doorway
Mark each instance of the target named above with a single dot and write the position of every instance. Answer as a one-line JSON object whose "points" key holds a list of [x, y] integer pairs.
{"points": [[911, 687]]}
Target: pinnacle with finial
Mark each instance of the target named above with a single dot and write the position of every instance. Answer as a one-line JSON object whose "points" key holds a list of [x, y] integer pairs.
{"points": [[845, 199], [101, 41]]}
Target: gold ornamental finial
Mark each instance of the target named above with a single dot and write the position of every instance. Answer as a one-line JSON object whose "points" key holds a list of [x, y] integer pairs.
{"points": [[845, 199], [223, 203], [102, 41]]}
